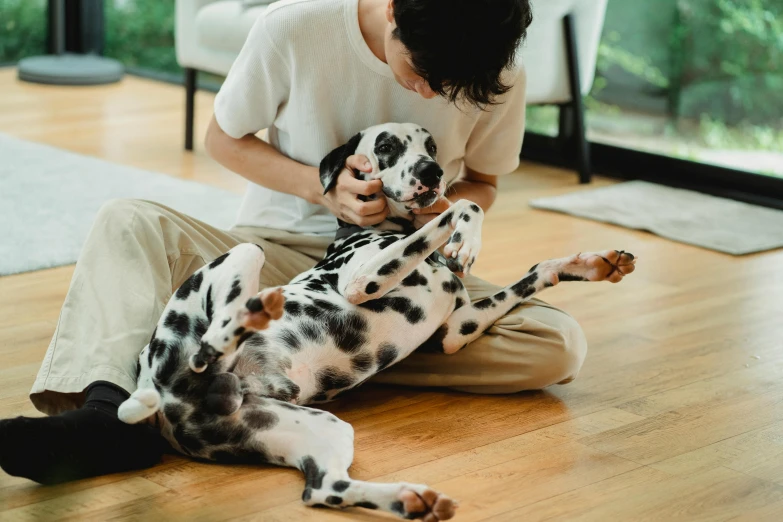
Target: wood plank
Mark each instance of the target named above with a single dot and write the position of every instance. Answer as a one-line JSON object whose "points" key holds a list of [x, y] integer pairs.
{"points": [[80, 503], [536, 477], [758, 453], [685, 429], [646, 494], [546, 439]]}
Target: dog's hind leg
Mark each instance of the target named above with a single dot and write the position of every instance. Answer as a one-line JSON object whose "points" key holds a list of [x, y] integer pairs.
{"points": [[408, 501], [470, 321], [459, 227], [321, 446], [233, 305]]}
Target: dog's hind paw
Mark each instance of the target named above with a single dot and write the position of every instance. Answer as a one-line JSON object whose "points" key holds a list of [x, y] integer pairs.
{"points": [[422, 503], [609, 265], [361, 290], [266, 306]]}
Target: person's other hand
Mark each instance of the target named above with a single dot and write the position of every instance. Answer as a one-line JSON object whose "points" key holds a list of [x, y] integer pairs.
{"points": [[343, 200]]}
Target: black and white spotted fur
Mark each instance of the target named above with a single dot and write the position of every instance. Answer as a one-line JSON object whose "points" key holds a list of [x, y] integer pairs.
{"points": [[224, 385]]}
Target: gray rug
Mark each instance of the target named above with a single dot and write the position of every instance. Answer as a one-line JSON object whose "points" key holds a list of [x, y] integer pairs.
{"points": [[49, 197], [690, 217]]}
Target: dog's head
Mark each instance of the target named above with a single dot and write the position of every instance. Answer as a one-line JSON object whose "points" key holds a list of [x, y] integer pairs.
{"points": [[403, 157]]}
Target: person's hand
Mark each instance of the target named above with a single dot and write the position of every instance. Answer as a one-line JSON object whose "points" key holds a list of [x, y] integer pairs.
{"points": [[343, 200], [427, 214]]}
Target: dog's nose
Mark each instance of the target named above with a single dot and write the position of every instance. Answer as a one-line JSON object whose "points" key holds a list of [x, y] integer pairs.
{"points": [[429, 173]]}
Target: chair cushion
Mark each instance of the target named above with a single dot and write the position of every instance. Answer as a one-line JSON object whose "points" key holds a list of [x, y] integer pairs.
{"points": [[252, 3], [224, 26]]}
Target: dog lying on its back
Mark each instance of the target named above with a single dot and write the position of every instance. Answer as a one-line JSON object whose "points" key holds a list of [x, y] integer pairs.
{"points": [[225, 382]]}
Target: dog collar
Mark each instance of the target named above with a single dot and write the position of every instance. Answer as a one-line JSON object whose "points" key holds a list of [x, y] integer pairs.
{"points": [[347, 230]]}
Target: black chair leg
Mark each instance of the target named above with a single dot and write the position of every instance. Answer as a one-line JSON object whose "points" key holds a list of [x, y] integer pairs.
{"points": [[190, 94], [565, 129], [573, 118]]}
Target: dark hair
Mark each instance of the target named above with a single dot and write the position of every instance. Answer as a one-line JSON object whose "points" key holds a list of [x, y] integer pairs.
{"points": [[462, 47]]}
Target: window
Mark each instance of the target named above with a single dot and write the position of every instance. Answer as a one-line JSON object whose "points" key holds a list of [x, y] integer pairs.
{"points": [[695, 79], [140, 34], [23, 26]]}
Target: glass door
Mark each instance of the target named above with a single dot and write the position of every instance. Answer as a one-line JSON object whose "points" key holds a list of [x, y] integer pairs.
{"points": [[700, 80]]}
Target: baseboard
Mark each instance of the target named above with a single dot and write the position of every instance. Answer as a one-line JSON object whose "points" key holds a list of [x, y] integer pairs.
{"points": [[621, 163]]}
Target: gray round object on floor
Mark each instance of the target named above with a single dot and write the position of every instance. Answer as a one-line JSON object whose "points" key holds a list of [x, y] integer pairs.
{"points": [[70, 69]]}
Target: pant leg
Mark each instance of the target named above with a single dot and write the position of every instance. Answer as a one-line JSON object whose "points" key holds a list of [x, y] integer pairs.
{"points": [[136, 255], [534, 346]]}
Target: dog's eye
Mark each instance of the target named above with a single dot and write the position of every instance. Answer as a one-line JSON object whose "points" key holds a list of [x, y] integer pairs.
{"points": [[385, 148], [429, 144]]}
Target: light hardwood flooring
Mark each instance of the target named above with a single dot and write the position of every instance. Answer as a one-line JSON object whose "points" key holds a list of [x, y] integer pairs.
{"points": [[677, 413]]}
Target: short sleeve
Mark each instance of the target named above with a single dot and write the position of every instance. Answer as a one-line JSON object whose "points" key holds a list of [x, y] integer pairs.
{"points": [[496, 142], [257, 84]]}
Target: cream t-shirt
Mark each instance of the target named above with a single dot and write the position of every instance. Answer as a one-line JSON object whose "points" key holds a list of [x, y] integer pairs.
{"points": [[306, 74]]}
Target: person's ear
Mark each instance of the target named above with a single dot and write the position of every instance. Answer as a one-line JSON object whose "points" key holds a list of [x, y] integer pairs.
{"points": [[334, 162], [390, 11]]}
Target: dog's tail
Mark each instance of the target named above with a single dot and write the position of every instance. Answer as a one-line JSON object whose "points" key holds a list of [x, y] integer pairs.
{"points": [[142, 404]]}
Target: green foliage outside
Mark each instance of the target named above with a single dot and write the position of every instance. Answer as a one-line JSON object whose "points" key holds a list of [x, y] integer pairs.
{"points": [[140, 33], [22, 29], [716, 64], [728, 61]]}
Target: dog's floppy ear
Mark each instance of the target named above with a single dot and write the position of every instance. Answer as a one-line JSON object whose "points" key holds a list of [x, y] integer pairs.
{"points": [[334, 162]]}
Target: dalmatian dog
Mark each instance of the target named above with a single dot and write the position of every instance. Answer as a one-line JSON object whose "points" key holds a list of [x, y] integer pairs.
{"points": [[229, 370]]}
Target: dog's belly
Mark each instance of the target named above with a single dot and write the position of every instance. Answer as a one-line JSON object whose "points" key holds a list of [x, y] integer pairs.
{"points": [[332, 345]]}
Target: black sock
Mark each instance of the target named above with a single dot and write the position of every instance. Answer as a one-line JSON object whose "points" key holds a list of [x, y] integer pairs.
{"points": [[104, 396], [78, 444]]}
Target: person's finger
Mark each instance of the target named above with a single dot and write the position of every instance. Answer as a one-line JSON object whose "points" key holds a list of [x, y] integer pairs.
{"points": [[359, 162], [373, 219], [368, 208], [365, 188]]}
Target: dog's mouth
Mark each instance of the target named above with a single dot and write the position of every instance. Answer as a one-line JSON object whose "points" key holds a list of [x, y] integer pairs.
{"points": [[425, 199]]}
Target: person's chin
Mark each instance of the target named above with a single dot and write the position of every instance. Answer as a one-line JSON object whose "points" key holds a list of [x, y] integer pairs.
{"points": [[404, 84]]}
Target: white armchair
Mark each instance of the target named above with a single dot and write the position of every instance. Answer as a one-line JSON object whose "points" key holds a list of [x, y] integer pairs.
{"points": [[559, 55], [208, 37]]}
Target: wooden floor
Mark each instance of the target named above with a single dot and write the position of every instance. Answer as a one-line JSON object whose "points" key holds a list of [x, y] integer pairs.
{"points": [[677, 413]]}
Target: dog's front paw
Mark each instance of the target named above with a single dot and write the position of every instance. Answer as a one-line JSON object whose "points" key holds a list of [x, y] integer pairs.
{"points": [[464, 245]]}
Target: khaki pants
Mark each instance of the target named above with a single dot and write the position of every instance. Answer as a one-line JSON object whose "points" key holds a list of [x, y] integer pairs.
{"points": [[139, 252]]}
